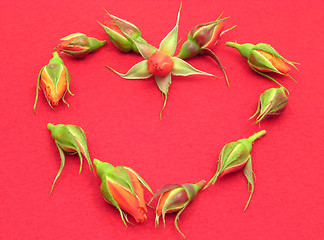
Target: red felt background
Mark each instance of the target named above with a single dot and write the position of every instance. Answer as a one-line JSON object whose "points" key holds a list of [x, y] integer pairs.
{"points": [[121, 118]]}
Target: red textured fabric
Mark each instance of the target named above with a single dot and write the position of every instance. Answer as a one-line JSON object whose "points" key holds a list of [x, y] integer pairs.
{"points": [[122, 121]]}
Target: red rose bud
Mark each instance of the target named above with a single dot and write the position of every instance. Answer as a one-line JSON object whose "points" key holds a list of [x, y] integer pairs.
{"points": [[122, 188], [79, 45], [263, 58], [54, 80], [202, 39], [271, 103], [235, 156], [159, 64], [70, 139], [175, 198], [120, 33]]}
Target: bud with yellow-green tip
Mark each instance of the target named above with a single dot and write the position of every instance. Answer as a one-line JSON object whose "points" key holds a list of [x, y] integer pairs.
{"points": [[235, 156], [70, 139]]}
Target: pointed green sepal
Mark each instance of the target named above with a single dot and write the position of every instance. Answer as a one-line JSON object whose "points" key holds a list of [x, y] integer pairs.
{"points": [[73, 35], [182, 68], [248, 172], [138, 71], [269, 49], [169, 43], [141, 180], [163, 83]]}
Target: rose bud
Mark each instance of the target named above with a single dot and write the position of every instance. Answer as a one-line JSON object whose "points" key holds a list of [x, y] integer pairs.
{"points": [[122, 188], [70, 139], [202, 39], [78, 45], [160, 63], [271, 103], [263, 58], [119, 31], [175, 198], [235, 156], [54, 80]]}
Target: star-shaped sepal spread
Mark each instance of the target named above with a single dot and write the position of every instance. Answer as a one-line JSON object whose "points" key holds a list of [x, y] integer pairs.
{"points": [[160, 62]]}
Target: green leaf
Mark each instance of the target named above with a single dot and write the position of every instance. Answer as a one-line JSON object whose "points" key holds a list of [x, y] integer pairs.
{"points": [[182, 68], [138, 71], [169, 43], [248, 172]]}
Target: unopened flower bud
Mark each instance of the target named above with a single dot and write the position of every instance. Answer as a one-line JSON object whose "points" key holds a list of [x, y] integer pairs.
{"points": [[121, 33], [175, 198], [263, 58], [79, 45], [70, 139], [122, 188], [271, 103], [54, 80], [235, 156]]}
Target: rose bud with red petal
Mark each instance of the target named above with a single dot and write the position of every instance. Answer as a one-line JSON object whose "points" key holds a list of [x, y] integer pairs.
{"points": [[262, 58], [54, 80], [122, 188], [78, 45]]}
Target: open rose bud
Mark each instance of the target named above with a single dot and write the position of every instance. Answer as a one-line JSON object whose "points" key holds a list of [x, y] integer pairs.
{"points": [[122, 188], [263, 58], [119, 31], [54, 80], [271, 103], [202, 39], [235, 156], [175, 198], [70, 139], [160, 63], [79, 45]]}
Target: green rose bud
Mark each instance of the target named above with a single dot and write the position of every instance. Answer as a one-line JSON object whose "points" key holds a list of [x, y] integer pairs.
{"points": [[271, 103], [235, 156], [70, 139]]}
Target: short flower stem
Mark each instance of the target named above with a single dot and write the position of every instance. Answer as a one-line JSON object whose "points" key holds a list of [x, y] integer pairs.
{"points": [[233, 45], [257, 135]]}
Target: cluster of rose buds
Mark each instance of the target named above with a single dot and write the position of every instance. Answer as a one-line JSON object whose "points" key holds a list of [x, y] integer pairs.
{"points": [[121, 186]]}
